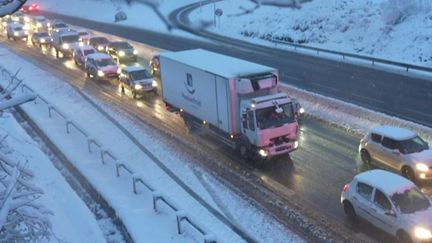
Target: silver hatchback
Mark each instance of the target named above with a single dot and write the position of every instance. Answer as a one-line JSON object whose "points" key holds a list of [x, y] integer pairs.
{"points": [[399, 149]]}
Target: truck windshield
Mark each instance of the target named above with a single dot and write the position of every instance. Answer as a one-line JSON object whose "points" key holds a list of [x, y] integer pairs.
{"points": [[268, 117]]}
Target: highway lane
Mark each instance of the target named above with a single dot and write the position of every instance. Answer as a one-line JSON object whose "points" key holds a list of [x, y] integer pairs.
{"points": [[315, 174]]}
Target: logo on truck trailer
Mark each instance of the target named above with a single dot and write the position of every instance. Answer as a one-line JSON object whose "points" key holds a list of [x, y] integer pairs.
{"points": [[189, 84]]}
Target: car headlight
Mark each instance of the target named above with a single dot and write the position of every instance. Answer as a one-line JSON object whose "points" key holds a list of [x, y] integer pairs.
{"points": [[138, 86], [301, 110], [135, 52], [26, 27], [15, 33], [100, 73], [263, 153], [48, 24], [121, 53], [100, 48], [81, 43], [38, 25], [26, 32], [154, 84], [422, 167], [65, 46], [422, 233], [26, 19], [42, 40]]}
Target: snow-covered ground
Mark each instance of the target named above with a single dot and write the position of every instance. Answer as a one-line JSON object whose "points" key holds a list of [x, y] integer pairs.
{"points": [[136, 210], [397, 30], [71, 220]]}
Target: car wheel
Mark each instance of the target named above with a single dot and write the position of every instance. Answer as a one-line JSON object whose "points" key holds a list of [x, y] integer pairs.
{"points": [[88, 74], [134, 94], [155, 91], [122, 89], [33, 43], [408, 173], [57, 53], [365, 156], [403, 237], [349, 210]]}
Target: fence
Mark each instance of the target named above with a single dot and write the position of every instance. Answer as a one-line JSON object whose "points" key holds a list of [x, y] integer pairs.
{"points": [[181, 217]]}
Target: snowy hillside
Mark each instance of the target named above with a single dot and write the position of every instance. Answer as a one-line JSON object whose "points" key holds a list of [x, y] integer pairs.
{"points": [[400, 30]]}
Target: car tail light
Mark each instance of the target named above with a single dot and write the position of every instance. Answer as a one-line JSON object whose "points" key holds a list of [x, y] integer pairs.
{"points": [[345, 188]]}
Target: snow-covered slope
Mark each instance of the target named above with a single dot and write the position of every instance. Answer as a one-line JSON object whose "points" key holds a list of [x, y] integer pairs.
{"points": [[399, 30]]}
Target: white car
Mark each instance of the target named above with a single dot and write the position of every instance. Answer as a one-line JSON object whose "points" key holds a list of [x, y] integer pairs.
{"points": [[84, 35], [398, 149], [16, 31], [391, 203]]}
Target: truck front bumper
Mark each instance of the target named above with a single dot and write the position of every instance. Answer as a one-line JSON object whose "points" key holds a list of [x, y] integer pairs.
{"points": [[276, 150]]}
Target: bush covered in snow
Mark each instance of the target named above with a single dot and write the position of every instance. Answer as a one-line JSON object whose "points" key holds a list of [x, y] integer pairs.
{"points": [[22, 219], [396, 11]]}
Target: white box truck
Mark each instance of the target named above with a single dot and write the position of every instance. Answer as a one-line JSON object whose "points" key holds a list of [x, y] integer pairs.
{"points": [[238, 101]]}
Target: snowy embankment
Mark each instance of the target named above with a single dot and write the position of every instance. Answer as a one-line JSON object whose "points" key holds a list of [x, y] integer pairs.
{"points": [[397, 30], [135, 210], [69, 218]]}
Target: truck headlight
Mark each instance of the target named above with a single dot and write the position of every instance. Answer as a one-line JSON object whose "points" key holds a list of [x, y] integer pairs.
{"points": [[422, 167], [135, 52], [42, 40], [138, 86], [422, 233], [301, 110], [263, 153], [118, 70], [65, 46], [296, 144], [100, 73], [121, 53], [154, 84]]}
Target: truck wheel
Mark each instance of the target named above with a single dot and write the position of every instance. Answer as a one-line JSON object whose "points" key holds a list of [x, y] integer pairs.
{"points": [[188, 122], [243, 147]]}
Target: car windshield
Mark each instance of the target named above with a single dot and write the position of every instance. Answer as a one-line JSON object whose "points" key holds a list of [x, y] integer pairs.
{"points": [[88, 52], [70, 38], [100, 40], [140, 75], [60, 25], [269, 117], [43, 34], [83, 33], [40, 18], [121, 45], [410, 201], [18, 28], [413, 145], [104, 62]]}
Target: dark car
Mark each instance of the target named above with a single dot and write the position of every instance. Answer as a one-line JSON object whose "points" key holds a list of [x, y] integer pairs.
{"points": [[122, 50], [137, 80], [41, 38], [98, 42]]}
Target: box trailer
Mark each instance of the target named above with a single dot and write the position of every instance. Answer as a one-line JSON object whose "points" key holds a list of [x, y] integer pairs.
{"points": [[238, 101]]}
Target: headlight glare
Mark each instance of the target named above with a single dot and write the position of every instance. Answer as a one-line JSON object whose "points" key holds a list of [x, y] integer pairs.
{"points": [[422, 233], [138, 86], [422, 167], [301, 110], [100, 48], [121, 53], [42, 40], [154, 84], [65, 46], [135, 52], [263, 153], [100, 73]]}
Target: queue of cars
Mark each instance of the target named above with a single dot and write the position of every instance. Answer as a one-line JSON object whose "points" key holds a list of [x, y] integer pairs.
{"points": [[99, 57], [387, 200]]}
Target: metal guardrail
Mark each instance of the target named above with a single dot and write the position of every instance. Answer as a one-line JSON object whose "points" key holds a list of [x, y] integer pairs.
{"points": [[374, 60], [181, 217]]}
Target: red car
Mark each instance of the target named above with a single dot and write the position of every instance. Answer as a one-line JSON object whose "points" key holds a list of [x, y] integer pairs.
{"points": [[30, 8]]}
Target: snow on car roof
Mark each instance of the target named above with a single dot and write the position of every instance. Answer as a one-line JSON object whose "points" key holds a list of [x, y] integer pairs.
{"points": [[218, 64], [99, 55], [396, 133], [14, 25], [133, 68], [387, 182]]}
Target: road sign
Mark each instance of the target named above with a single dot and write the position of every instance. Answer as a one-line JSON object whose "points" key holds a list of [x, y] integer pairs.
{"points": [[218, 12]]}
